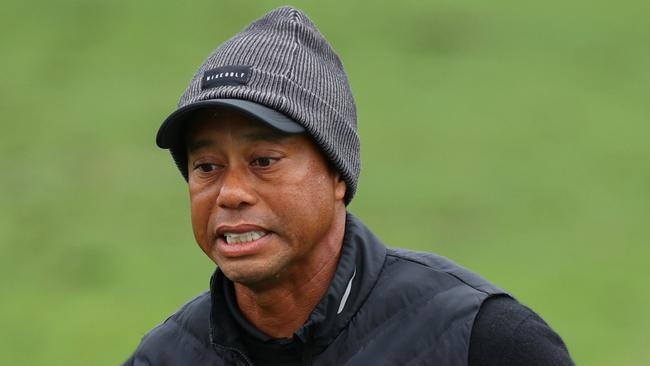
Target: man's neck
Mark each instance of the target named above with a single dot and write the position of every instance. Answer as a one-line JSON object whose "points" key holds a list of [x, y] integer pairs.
{"points": [[281, 309]]}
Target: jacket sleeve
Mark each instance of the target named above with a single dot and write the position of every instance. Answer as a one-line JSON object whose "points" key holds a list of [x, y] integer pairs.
{"points": [[506, 332]]}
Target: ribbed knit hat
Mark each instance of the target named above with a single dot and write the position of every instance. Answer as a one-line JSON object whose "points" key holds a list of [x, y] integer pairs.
{"points": [[282, 71]]}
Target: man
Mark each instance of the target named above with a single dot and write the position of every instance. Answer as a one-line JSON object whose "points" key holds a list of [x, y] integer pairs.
{"points": [[266, 137]]}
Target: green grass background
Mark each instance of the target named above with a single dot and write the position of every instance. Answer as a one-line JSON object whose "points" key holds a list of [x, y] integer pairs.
{"points": [[509, 136]]}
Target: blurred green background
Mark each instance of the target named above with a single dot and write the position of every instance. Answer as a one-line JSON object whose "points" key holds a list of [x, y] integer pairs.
{"points": [[509, 136]]}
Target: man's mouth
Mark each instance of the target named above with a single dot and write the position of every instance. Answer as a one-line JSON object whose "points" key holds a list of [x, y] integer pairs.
{"points": [[245, 237]]}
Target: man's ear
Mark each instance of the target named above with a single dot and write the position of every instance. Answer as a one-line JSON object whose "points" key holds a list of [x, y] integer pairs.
{"points": [[339, 187]]}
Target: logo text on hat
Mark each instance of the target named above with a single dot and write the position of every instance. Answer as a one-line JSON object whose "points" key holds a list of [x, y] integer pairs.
{"points": [[226, 75]]}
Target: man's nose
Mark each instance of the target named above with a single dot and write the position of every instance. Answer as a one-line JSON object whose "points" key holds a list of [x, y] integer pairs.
{"points": [[235, 189]]}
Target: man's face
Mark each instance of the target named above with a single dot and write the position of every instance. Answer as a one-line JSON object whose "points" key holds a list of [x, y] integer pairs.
{"points": [[261, 201]]}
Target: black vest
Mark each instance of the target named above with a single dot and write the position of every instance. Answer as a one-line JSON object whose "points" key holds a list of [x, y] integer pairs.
{"points": [[383, 307]]}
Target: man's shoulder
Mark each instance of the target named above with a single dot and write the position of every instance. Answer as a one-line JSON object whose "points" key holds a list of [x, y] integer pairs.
{"points": [[504, 330], [421, 307], [426, 285], [187, 328], [194, 314], [430, 265], [192, 319]]}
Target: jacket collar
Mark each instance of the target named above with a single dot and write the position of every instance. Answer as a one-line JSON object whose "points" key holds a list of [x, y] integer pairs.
{"points": [[362, 258]]}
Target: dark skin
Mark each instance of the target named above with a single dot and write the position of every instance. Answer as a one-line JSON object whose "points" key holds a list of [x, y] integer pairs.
{"points": [[245, 177]]}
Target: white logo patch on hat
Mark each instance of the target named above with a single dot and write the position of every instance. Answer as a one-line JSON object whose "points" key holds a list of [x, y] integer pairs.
{"points": [[226, 75]]}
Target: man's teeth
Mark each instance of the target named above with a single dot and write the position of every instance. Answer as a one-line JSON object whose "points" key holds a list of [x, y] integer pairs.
{"points": [[235, 238]]}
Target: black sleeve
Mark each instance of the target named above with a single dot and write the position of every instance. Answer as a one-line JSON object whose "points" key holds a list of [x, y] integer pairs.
{"points": [[506, 332]]}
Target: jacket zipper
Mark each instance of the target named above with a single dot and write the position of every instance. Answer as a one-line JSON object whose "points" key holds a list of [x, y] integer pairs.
{"points": [[247, 360]]}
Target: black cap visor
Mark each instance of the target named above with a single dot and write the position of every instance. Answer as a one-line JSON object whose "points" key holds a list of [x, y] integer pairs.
{"points": [[172, 130]]}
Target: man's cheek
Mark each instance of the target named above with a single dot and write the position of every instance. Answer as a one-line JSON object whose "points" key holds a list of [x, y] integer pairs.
{"points": [[200, 227]]}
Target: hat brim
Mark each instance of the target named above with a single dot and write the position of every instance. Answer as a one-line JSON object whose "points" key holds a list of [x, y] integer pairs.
{"points": [[172, 130]]}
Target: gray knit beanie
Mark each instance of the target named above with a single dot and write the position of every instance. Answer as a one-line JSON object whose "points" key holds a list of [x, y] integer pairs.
{"points": [[282, 71]]}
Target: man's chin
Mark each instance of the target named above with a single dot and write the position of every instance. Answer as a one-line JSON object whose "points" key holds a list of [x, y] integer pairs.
{"points": [[249, 276]]}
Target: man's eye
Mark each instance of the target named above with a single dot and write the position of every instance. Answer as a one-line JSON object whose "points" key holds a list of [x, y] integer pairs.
{"points": [[263, 162], [205, 167]]}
